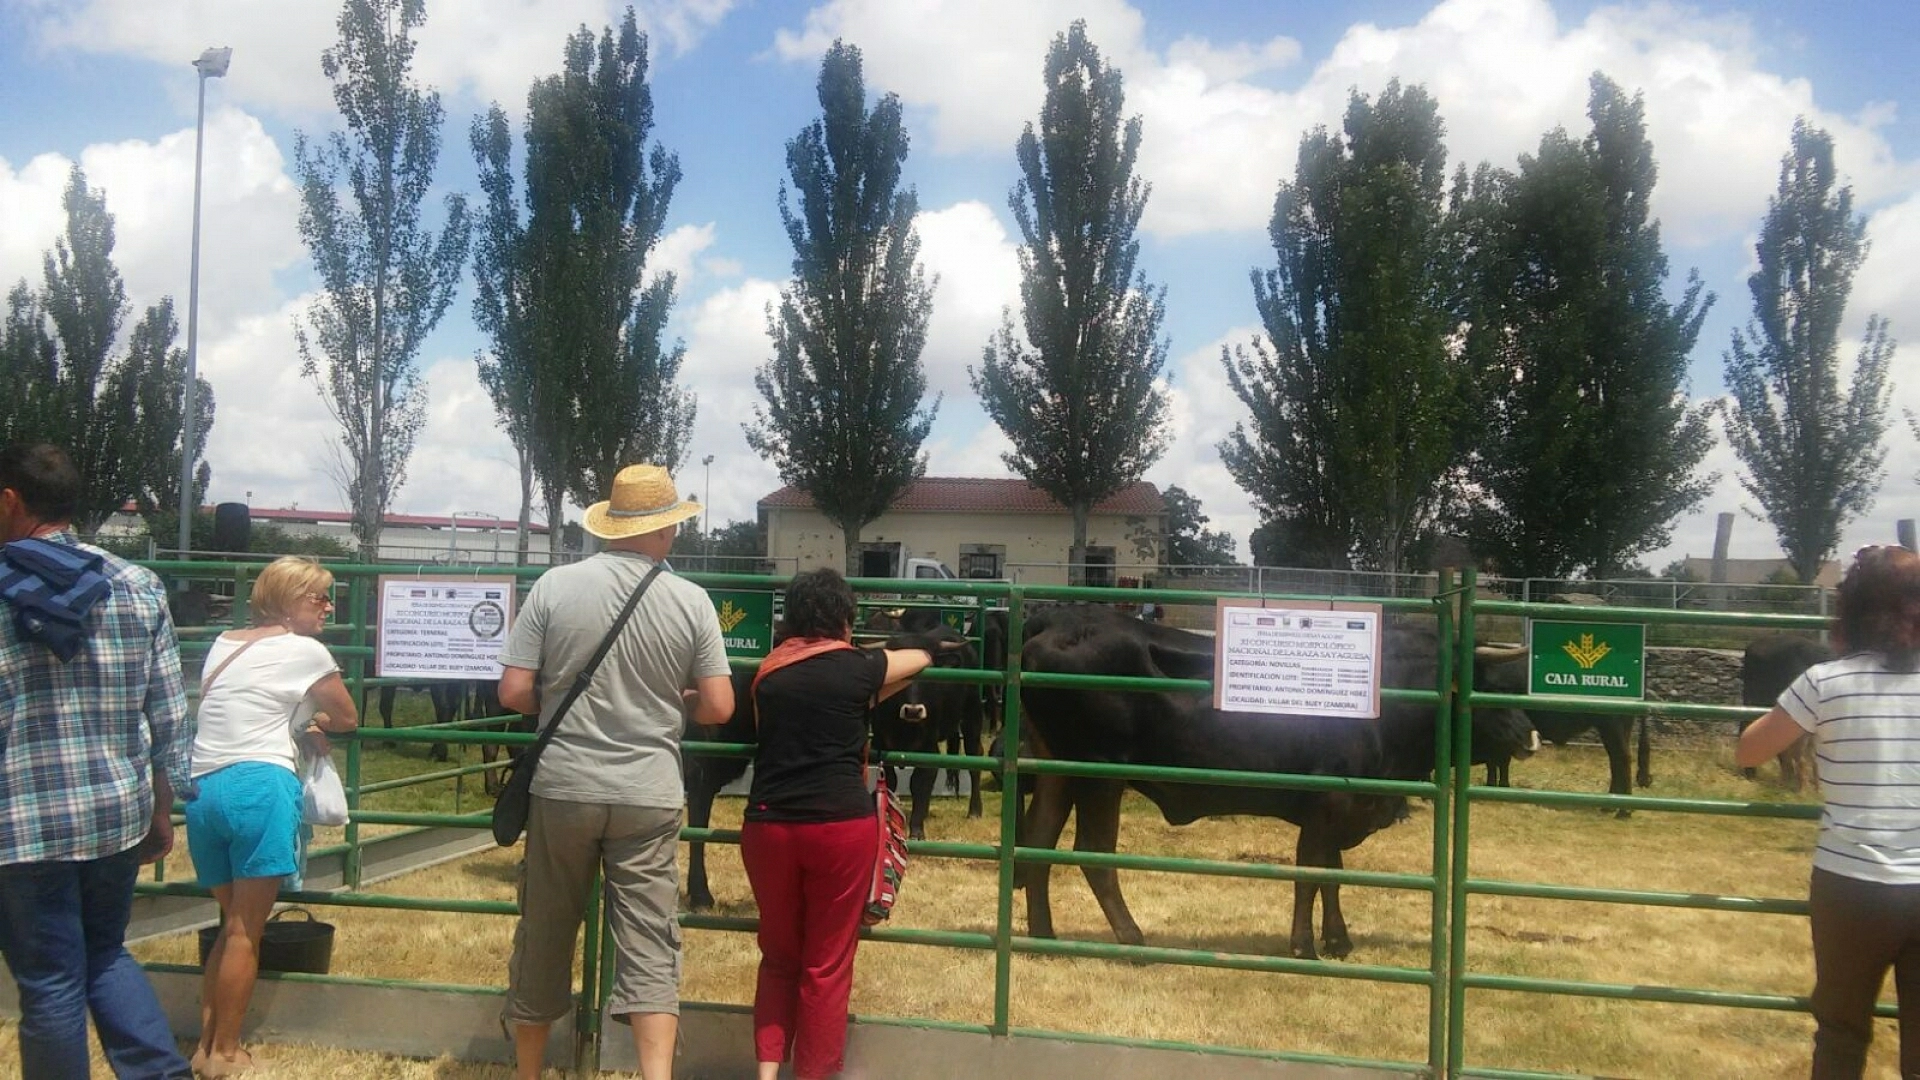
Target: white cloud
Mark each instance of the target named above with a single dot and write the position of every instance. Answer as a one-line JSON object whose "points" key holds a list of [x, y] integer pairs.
{"points": [[978, 268], [463, 461], [1503, 72], [726, 343], [979, 73], [271, 433], [249, 207], [1202, 411], [964, 442], [490, 49], [679, 253]]}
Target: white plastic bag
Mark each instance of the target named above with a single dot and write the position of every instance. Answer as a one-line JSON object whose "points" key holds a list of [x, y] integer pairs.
{"points": [[323, 798]]}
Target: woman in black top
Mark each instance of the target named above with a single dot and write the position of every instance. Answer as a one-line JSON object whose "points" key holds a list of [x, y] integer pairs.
{"points": [[810, 840]]}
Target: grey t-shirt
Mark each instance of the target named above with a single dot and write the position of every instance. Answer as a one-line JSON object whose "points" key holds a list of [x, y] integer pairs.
{"points": [[620, 742]]}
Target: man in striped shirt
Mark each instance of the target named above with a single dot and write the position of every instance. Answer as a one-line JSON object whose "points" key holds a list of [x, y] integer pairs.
{"points": [[91, 750]]}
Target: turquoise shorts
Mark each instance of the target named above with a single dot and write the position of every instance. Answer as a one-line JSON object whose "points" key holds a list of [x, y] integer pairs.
{"points": [[244, 822]]}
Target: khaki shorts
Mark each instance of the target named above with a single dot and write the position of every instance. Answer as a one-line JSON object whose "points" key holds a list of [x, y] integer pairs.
{"points": [[633, 846]]}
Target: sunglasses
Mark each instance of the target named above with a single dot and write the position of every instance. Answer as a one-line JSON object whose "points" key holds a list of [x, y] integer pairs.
{"points": [[320, 598]]}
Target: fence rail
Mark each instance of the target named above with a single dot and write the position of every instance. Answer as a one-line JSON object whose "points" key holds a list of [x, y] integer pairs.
{"points": [[1448, 975]]}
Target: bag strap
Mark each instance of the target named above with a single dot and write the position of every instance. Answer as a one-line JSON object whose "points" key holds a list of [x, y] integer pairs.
{"points": [[581, 680], [206, 684]]}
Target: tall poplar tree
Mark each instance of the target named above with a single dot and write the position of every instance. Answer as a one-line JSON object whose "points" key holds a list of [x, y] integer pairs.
{"points": [[386, 278], [1585, 446], [1078, 393], [1813, 448], [577, 370], [1356, 393], [65, 378], [841, 416]]}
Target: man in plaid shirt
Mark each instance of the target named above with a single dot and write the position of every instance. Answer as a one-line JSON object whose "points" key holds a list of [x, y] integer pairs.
{"points": [[91, 750]]}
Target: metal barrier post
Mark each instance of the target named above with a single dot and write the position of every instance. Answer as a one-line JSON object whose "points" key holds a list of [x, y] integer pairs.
{"points": [[1009, 816], [596, 982], [1444, 766], [357, 597], [1462, 779]]}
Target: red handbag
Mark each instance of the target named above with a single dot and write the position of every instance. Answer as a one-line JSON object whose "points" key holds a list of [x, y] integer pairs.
{"points": [[890, 865]]}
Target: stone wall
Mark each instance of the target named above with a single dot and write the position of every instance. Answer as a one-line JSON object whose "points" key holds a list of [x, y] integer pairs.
{"points": [[1695, 676]]}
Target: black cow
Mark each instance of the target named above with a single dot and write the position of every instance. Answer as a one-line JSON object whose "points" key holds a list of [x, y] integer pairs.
{"points": [[1560, 727], [976, 722], [451, 701], [1185, 730], [705, 776], [925, 715], [1768, 667]]}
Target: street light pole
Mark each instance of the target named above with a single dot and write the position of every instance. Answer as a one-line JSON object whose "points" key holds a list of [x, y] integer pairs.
{"points": [[211, 65], [706, 512]]}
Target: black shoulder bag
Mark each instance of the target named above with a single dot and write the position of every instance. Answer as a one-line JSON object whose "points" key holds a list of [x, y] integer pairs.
{"points": [[516, 795]]}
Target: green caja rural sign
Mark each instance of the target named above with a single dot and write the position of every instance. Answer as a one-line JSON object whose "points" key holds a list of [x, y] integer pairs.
{"points": [[1588, 659], [746, 620]]}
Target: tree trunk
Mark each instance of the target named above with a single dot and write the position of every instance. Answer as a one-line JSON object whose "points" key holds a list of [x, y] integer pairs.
{"points": [[1077, 554], [521, 535], [850, 539], [556, 527]]}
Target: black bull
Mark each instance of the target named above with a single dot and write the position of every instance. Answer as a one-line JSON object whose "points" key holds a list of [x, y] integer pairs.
{"points": [[1559, 728], [453, 699], [1770, 665], [1184, 730], [924, 716]]}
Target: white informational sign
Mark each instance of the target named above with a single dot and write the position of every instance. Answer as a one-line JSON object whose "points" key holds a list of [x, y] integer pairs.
{"points": [[443, 627], [1298, 661]]}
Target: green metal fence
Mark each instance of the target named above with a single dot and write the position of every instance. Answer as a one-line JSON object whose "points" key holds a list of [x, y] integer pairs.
{"points": [[1448, 882]]}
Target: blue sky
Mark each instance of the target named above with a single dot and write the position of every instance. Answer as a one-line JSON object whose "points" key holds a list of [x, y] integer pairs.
{"points": [[1224, 88]]}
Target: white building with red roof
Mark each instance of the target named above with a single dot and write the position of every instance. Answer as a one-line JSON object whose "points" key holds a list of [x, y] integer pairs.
{"points": [[981, 528]]}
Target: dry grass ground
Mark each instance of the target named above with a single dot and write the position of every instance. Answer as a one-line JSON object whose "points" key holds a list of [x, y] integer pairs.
{"points": [[1558, 939]]}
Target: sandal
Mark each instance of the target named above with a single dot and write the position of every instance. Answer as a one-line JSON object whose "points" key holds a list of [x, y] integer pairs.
{"points": [[220, 1067]]}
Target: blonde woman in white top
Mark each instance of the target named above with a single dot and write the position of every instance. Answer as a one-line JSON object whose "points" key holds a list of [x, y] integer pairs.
{"points": [[1863, 712], [265, 688]]}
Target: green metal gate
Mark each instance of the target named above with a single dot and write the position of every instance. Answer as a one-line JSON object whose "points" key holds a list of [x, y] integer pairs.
{"points": [[1449, 885]]}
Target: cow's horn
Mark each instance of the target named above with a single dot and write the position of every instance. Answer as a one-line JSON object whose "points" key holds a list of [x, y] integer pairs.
{"points": [[1495, 654], [950, 646]]}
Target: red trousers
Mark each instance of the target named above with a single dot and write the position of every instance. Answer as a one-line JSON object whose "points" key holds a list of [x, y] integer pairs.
{"points": [[811, 883]]}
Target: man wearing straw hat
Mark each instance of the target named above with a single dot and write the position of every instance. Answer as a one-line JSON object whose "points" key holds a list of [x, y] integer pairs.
{"points": [[607, 791]]}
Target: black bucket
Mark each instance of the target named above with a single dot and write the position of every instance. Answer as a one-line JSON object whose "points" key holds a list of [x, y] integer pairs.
{"points": [[303, 944]]}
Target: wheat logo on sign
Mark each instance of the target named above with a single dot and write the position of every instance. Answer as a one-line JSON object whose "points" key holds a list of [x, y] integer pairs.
{"points": [[730, 616], [1587, 653]]}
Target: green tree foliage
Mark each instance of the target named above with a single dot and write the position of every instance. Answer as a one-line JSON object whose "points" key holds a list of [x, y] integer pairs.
{"points": [[1079, 395], [841, 416], [385, 277], [154, 373], [1189, 541], [577, 371], [262, 538], [64, 380], [1355, 394], [734, 541], [1585, 448], [1813, 449], [507, 294]]}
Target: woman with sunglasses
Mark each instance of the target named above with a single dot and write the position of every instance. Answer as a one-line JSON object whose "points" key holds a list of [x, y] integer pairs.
{"points": [[264, 690], [1863, 714]]}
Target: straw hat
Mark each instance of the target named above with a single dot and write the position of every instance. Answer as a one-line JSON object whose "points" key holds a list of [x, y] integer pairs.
{"points": [[643, 500]]}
